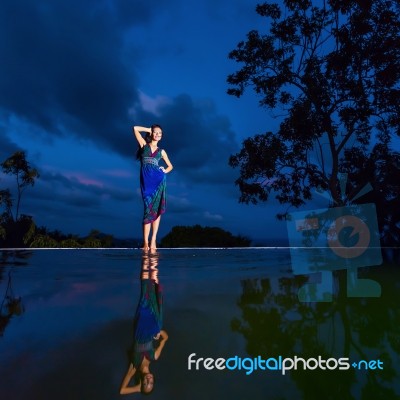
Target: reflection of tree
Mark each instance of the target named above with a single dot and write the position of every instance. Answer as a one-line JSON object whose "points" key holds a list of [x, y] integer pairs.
{"points": [[14, 258], [275, 323], [10, 305]]}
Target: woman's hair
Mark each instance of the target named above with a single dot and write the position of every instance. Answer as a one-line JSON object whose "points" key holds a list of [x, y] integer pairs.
{"points": [[148, 138]]}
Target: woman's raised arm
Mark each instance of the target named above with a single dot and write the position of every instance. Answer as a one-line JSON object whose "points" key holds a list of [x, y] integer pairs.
{"points": [[125, 388], [137, 132]]}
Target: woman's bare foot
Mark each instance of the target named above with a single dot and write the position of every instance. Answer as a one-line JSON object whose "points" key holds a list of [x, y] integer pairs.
{"points": [[145, 246], [153, 245]]}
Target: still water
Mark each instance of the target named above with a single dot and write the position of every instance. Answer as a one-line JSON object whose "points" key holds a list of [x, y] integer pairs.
{"points": [[67, 327]]}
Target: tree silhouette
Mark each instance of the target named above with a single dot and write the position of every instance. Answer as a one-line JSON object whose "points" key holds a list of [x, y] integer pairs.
{"points": [[14, 227], [25, 176], [6, 203], [333, 68], [198, 236], [41, 237]]}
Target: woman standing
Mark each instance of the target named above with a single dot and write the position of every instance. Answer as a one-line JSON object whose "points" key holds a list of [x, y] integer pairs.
{"points": [[152, 180]]}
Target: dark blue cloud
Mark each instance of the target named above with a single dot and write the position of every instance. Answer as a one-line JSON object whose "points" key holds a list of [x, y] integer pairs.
{"points": [[7, 146], [64, 67], [72, 70], [63, 187]]}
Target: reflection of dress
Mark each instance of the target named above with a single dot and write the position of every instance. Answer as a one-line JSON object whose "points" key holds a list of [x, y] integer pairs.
{"points": [[148, 321], [152, 185]]}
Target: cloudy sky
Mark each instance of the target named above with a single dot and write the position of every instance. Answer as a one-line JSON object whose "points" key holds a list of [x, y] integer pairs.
{"points": [[76, 76]]}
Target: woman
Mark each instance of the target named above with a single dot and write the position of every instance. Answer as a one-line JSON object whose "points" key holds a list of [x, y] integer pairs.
{"points": [[149, 337], [152, 180]]}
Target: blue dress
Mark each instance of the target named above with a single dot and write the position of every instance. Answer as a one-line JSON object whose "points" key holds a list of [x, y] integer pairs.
{"points": [[152, 185], [148, 322]]}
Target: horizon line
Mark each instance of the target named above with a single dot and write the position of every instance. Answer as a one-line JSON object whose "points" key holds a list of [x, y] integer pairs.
{"points": [[188, 248]]}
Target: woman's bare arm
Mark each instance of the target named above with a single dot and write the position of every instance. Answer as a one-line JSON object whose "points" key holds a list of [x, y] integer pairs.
{"points": [[164, 338], [137, 132], [166, 159], [125, 389]]}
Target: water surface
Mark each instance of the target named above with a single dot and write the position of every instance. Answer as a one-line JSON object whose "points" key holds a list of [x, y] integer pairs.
{"points": [[67, 324]]}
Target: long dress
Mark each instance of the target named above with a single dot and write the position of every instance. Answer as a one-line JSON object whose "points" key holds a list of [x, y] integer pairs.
{"points": [[148, 322], [152, 184]]}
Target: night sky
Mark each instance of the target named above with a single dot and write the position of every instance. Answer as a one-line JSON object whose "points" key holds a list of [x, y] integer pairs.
{"points": [[76, 76]]}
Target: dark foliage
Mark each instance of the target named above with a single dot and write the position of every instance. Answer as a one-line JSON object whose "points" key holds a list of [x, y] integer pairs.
{"points": [[333, 69], [198, 236]]}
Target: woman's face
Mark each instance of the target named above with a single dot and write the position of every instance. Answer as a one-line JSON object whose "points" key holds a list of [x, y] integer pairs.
{"points": [[148, 383], [157, 134]]}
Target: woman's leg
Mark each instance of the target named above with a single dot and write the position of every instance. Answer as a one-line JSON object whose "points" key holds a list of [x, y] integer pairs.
{"points": [[146, 233], [154, 225]]}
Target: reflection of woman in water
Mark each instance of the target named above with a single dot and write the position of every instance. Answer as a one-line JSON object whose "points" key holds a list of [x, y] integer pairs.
{"points": [[152, 180], [149, 338]]}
